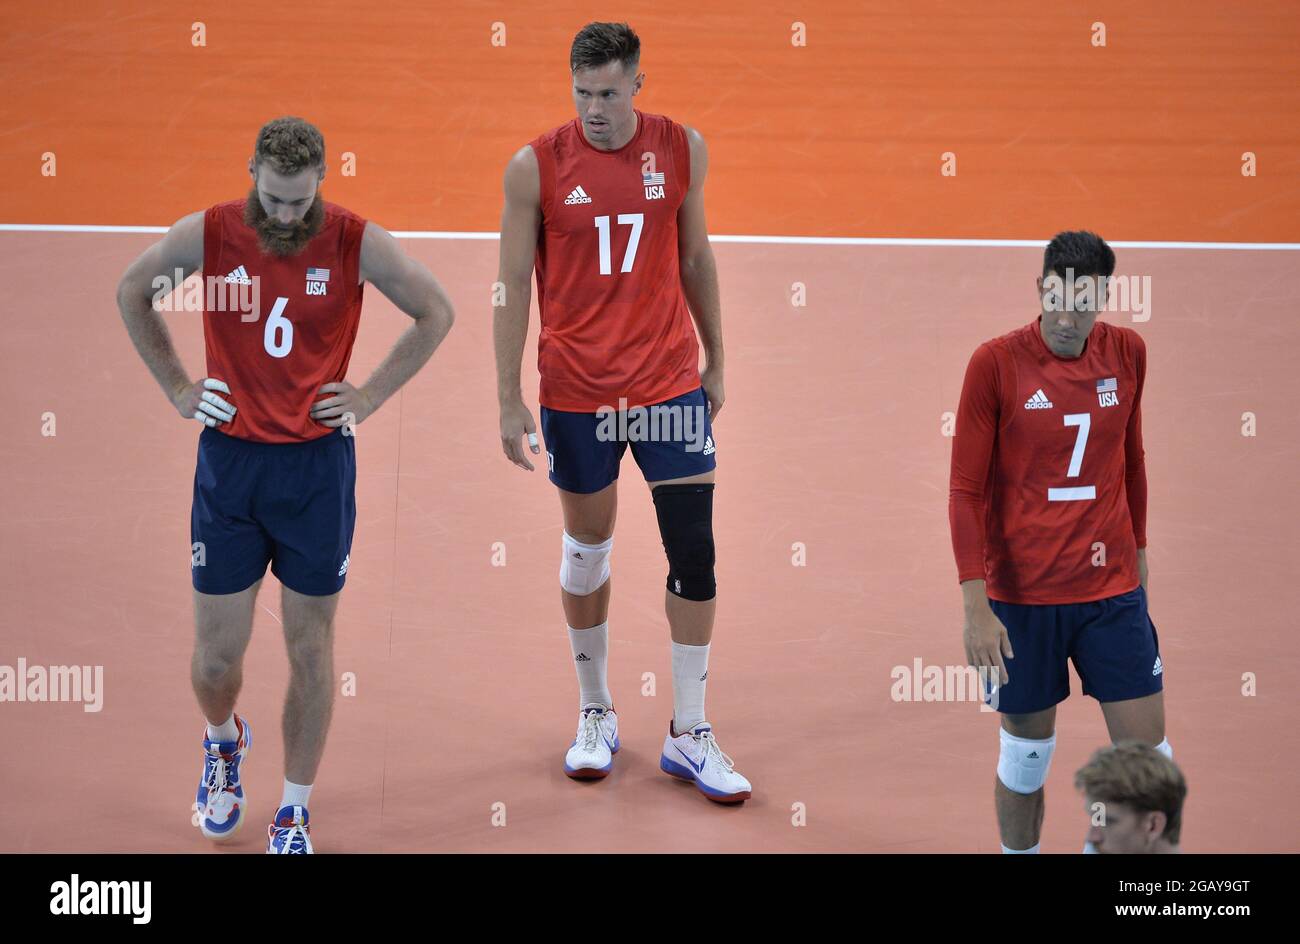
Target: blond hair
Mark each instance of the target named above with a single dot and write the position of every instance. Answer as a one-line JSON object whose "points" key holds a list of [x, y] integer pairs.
{"points": [[1138, 776]]}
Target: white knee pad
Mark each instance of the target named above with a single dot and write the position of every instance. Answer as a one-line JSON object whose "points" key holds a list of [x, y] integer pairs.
{"points": [[1023, 763], [1164, 748], [584, 567]]}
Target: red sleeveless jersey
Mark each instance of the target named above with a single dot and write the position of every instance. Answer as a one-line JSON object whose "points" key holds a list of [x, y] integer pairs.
{"points": [[614, 320], [309, 309], [1048, 494]]}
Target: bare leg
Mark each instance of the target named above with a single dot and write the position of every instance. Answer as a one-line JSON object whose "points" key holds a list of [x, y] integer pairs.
{"points": [[309, 638], [223, 624], [589, 518], [1020, 815], [1137, 719]]}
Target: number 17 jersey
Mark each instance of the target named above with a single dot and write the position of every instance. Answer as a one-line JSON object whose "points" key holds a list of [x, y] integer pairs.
{"points": [[615, 323], [1047, 495]]}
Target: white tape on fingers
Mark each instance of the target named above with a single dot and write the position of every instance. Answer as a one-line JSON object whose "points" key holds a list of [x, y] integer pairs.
{"points": [[532, 440], [204, 418], [213, 411], [211, 383], [218, 402]]}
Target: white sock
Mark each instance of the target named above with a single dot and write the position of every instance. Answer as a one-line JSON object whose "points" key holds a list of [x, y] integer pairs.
{"points": [[1164, 748], [224, 732], [1032, 850], [295, 794], [590, 657], [690, 669], [1089, 849]]}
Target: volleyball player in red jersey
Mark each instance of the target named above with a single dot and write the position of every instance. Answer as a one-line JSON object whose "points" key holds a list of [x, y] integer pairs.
{"points": [[609, 209], [1047, 506], [276, 473]]}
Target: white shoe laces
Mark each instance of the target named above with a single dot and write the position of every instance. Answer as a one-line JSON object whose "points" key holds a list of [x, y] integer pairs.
{"points": [[295, 839], [711, 749], [218, 778], [589, 732]]}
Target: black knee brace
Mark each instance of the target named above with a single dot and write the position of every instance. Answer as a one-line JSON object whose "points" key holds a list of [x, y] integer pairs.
{"points": [[685, 515]]}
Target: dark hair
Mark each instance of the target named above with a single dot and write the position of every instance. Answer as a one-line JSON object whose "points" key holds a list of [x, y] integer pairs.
{"points": [[289, 145], [1139, 776], [1084, 252], [599, 43]]}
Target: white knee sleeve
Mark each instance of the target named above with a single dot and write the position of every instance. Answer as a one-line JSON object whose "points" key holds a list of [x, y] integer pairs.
{"points": [[1023, 763], [584, 567]]}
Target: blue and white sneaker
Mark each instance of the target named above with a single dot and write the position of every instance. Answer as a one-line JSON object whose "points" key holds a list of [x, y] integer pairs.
{"points": [[220, 804], [591, 756], [695, 756], [290, 833]]}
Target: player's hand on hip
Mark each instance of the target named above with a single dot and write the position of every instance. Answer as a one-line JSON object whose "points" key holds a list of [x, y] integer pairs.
{"points": [[711, 381], [199, 401], [517, 422], [347, 407], [987, 642]]}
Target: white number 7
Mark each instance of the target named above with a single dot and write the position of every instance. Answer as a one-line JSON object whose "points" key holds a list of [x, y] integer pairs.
{"points": [[636, 221], [1076, 492]]}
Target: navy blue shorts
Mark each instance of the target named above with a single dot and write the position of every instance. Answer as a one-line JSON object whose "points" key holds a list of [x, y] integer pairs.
{"points": [[1112, 642], [292, 505], [669, 440]]}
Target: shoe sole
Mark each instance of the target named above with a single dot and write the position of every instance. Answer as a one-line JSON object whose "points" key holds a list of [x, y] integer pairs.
{"points": [[226, 837], [594, 773], [678, 772]]}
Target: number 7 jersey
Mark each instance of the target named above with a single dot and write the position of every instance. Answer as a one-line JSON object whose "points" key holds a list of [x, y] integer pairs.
{"points": [[615, 323], [1047, 495], [309, 308]]}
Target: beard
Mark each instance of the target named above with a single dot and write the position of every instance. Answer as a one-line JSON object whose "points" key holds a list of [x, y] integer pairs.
{"points": [[279, 239]]}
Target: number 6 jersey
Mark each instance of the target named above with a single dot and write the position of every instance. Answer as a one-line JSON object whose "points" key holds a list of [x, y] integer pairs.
{"points": [[309, 307], [1047, 495], [614, 320]]}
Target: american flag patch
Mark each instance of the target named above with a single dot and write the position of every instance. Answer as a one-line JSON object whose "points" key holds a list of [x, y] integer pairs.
{"points": [[652, 180], [1107, 386], [318, 275]]}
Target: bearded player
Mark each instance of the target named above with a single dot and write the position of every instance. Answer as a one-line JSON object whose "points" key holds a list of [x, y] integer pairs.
{"points": [[609, 209], [1047, 505], [276, 474]]}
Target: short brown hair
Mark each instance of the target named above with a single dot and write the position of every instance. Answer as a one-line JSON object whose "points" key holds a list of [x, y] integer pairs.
{"points": [[290, 145], [599, 43], [1138, 776]]}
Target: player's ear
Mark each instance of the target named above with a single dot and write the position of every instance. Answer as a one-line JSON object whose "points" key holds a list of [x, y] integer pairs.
{"points": [[321, 176], [636, 86], [252, 170]]}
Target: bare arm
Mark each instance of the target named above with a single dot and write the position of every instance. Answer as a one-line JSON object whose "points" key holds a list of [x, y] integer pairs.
{"points": [[520, 219], [699, 272], [152, 275], [413, 289]]}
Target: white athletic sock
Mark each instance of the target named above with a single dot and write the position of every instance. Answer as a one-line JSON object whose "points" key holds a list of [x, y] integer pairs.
{"points": [[690, 669], [590, 657], [1089, 849], [1164, 748], [295, 794], [1032, 850], [224, 732]]}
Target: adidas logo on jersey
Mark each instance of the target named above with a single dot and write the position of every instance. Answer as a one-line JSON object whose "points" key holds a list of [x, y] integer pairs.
{"points": [[1038, 401], [1158, 669], [239, 277], [344, 569], [708, 446], [577, 196]]}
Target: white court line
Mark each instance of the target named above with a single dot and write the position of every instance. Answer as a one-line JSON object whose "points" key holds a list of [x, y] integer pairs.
{"points": [[776, 240]]}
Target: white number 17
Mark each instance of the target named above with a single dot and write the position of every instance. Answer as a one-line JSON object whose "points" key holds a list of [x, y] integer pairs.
{"points": [[636, 221]]}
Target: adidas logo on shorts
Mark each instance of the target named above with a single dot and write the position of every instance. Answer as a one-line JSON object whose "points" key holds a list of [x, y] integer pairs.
{"points": [[344, 569], [1038, 401], [1157, 669], [577, 196]]}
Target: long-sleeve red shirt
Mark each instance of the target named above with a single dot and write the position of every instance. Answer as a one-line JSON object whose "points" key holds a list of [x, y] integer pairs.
{"points": [[1048, 473]]}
